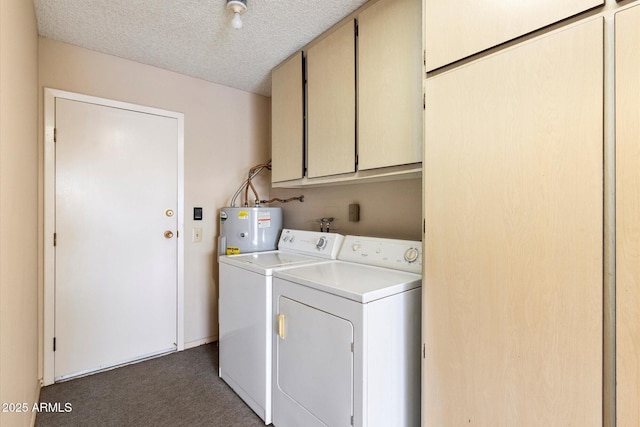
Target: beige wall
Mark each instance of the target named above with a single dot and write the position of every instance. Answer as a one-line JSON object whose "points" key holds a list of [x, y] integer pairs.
{"points": [[226, 132], [387, 209], [18, 209]]}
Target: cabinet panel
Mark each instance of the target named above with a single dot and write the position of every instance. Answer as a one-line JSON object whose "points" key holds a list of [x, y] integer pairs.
{"points": [[627, 42], [287, 131], [390, 84], [457, 29], [513, 183], [331, 104]]}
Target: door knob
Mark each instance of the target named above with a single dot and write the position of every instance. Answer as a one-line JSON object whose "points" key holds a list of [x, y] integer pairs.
{"points": [[168, 234]]}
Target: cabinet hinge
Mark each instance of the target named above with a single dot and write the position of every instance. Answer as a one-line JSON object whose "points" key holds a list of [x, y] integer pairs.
{"points": [[55, 134], [424, 101], [55, 239], [356, 28], [424, 57], [54, 343]]}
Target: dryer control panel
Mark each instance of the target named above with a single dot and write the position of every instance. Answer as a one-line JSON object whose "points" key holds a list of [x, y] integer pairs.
{"points": [[404, 255]]}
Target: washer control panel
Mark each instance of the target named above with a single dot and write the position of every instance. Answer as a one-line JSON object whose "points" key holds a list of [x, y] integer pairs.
{"points": [[405, 255], [324, 245]]}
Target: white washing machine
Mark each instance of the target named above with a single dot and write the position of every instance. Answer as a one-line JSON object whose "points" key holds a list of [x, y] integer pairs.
{"points": [[346, 339], [245, 316]]}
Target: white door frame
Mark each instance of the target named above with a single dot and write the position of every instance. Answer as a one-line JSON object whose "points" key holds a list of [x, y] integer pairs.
{"points": [[49, 215]]}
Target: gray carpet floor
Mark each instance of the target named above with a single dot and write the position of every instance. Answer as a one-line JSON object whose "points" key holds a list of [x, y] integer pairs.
{"points": [[179, 389]]}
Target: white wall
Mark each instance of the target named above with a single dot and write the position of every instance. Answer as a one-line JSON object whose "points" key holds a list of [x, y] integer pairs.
{"points": [[226, 132], [18, 209]]}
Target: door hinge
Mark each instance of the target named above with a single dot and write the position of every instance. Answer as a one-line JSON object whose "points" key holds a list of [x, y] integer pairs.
{"points": [[424, 101], [55, 239], [55, 134], [352, 348], [54, 343], [351, 419], [424, 351]]}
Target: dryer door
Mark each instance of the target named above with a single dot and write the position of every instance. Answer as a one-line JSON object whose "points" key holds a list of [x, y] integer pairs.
{"points": [[315, 362]]}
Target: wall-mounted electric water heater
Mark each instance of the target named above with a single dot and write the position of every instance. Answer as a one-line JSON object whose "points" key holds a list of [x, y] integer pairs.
{"points": [[245, 229]]}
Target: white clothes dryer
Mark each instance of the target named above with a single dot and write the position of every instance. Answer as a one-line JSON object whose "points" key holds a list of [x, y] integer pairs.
{"points": [[347, 338], [245, 316]]}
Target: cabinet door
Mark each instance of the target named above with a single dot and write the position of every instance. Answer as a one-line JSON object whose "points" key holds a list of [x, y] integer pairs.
{"points": [[456, 29], [627, 42], [314, 362], [513, 184], [390, 84], [331, 104], [287, 131]]}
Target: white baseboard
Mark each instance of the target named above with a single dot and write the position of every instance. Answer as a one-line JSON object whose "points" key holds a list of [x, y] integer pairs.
{"points": [[197, 343]]}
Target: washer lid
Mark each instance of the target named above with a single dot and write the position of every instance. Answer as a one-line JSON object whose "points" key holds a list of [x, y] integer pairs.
{"points": [[358, 282], [266, 262]]}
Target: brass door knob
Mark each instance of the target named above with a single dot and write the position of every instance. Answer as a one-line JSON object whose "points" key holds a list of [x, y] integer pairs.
{"points": [[168, 234]]}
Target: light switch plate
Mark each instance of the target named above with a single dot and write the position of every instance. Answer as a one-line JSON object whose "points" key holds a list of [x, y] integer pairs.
{"points": [[196, 235]]}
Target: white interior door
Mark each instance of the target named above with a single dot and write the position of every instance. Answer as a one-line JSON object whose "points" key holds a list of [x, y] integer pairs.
{"points": [[116, 205]]}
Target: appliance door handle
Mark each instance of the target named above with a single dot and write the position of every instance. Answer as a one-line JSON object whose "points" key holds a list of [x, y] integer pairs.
{"points": [[281, 325]]}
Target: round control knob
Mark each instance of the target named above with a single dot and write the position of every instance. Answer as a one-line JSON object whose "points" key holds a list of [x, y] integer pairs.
{"points": [[321, 243], [411, 255], [355, 247]]}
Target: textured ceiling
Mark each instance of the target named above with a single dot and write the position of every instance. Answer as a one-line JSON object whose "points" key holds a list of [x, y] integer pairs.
{"points": [[194, 37]]}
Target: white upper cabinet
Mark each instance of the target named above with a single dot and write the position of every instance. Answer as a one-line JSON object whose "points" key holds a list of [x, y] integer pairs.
{"points": [[357, 113], [390, 84], [457, 29], [287, 131], [331, 104]]}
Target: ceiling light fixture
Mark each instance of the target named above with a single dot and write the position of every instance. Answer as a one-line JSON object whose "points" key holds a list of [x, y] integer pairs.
{"points": [[238, 7]]}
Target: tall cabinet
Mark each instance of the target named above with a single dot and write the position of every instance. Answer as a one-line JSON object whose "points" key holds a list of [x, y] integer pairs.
{"points": [[457, 29], [627, 46], [513, 189]]}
